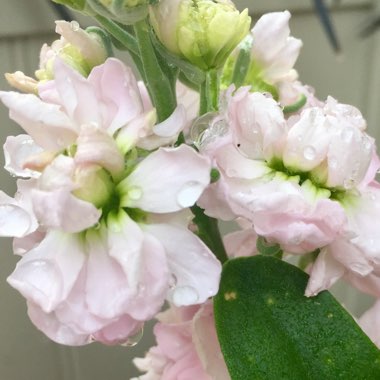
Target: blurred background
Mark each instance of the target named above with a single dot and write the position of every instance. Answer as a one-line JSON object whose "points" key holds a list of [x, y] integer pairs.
{"points": [[352, 76]]}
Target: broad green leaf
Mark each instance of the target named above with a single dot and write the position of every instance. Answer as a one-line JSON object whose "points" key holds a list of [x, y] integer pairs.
{"points": [[268, 329]]}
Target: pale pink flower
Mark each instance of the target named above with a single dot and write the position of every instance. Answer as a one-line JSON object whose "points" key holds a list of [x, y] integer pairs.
{"points": [[274, 51], [112, 241], [330, 142], [282, 202], [187, 347], [355, 257]]}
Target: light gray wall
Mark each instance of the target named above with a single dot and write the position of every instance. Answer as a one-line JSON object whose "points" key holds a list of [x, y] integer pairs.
{"points": [[25, 354]]}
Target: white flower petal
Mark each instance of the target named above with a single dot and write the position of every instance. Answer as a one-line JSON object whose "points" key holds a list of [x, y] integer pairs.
{"points": [[167, 180]]}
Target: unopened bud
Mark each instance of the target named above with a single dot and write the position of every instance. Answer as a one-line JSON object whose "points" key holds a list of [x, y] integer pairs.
{"points": [[203, 31]]}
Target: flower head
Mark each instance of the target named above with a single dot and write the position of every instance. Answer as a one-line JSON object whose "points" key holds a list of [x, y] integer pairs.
{"points": [[122, 217], [195, 29], [187, 347]]}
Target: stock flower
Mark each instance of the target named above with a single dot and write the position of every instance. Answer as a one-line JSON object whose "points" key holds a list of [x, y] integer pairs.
{"points": [[187, 347], [281, 174], [195, 29], [272, 53], [80, 49], [111, 243]]}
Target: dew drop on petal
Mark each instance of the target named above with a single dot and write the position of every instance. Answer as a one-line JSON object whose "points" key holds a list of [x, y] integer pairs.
{"points": [[134, 339], [185, 296], [189, 193], [135, 193], [74, 25], [348, 183], [309, 153]]}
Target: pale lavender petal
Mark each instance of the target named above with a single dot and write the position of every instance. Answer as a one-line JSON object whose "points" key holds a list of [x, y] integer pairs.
{"points": [[49, 127], [61, 209], [167, 180], [195, 269], [324, 273], [54, 329], [143, 261], [97, 147], [118, 93], [46, 274], [77, 95], [17, 150]]}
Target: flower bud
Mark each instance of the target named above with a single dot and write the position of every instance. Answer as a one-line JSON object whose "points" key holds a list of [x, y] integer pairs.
{"points": [[124, 11], [80, 49], [196, 30]]}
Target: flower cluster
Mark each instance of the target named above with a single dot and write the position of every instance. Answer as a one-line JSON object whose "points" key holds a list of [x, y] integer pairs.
{"points": [[120, 185]]}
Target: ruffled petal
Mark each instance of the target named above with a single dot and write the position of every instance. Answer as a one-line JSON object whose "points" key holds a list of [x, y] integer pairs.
{"points": [[17, 150], [49, 127], [46, 274], [324, 273], [196, 271]]}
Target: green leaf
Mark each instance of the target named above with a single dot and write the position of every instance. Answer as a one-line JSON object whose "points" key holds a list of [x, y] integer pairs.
{"points": [[268, 329]]}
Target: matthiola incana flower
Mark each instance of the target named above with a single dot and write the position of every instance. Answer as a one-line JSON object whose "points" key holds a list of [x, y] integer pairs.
{"points": [[102, 229], [196, 30], [187, 347], [80, 49], [284, 175], [272, 53]]}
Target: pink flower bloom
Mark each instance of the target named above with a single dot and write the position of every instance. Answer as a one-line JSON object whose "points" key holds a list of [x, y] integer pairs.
{"points": [[259, 182], [273, 49], [107, 239], [187, 347]]}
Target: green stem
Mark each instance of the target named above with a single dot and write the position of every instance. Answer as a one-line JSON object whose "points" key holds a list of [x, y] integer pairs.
{"points": [[209, 93], [212, 90], [208, 231], [241, 67], [119, 33], [158, 83]]}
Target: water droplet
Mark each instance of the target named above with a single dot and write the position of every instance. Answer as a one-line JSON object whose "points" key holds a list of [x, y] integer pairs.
{"points": [[74, 25], [185, 296], [135, 193], [309, 153], [295, 240], [347, 134], [134, 339], [200, 125], [189, 193], [348, 183]]}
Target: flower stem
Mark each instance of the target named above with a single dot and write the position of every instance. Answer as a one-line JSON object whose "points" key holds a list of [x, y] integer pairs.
{"points": [[208, 231], [209, 92], [116, 31], [159, 85]]}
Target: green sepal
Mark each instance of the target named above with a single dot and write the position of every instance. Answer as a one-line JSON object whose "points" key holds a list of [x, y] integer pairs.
{"points": [[192, 73], [268, 329]]}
